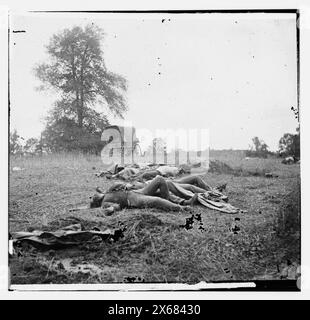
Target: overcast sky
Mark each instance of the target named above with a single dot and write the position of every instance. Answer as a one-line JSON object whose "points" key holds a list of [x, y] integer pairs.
{"points": [[233, 74]]}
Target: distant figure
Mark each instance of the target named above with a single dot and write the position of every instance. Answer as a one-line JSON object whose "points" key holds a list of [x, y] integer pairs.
{"points": [[288, 160]]}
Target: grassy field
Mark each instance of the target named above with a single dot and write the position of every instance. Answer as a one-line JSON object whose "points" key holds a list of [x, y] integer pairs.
{"points": [[155, 248]]}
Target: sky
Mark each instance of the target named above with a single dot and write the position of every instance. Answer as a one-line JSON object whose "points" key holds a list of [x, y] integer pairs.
{"points": [[234, 75]]}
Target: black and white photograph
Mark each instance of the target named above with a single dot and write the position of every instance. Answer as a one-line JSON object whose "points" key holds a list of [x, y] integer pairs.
{"points": [[154, 149]]}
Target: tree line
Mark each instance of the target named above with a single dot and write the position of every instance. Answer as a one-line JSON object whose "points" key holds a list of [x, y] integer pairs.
{"points": [[77, 74], [289, 145]]}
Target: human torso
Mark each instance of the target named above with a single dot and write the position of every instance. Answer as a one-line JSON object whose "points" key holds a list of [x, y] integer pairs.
{"points": [[119, 197]]}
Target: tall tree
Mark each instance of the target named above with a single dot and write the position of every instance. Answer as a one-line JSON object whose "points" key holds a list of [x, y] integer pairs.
{"points": [[77, 72], [15, 142], [259, 145], [289, 144], [258, 149]]}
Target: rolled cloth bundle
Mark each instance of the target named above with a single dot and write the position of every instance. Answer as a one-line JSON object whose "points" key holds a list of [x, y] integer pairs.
{"points": [[205, 200], [219, 206]]}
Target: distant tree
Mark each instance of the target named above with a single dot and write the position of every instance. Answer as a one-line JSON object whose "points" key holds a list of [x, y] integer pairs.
{"points": [[15, 142], [32, 145], [260, 145], [160, 144], [258, 149], [289, 145], [77, 72], [65, 135]]}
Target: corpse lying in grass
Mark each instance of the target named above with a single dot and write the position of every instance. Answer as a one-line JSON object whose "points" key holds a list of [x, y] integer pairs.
{"points": [[160, 193]]}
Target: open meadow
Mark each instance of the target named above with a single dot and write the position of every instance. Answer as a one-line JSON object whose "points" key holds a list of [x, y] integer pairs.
{"points": [[255, 244]]}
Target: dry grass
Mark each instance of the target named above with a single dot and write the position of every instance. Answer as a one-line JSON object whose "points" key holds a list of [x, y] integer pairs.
{"points": [[155, 247]]}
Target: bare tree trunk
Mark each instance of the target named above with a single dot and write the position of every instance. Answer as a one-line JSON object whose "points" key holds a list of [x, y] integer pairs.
{"points": [[78, 97], [79, 109], [81, 83], [81, 106]]}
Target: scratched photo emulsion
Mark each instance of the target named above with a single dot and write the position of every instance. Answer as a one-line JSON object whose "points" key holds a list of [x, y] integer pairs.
{"points": [[158, 148]]}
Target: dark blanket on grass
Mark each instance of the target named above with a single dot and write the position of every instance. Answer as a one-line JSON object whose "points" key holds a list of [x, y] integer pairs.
{"points": [[72, 235]]}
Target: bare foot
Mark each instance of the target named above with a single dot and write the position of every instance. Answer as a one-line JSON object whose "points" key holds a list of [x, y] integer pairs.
{"points": [[191, 201], [186, 208], [194, 199]]}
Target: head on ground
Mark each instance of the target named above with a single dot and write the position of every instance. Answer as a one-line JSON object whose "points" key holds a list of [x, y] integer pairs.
{"points": [[96, 200]]}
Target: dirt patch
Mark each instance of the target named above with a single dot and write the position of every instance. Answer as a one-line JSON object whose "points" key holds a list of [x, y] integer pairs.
{"points": [[71, 265]]}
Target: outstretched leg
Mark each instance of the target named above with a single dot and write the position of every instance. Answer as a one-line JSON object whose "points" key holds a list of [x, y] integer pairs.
{"points": [[194, 180], [139, 200], [178, 190], [158, 187], [190, 187]]}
